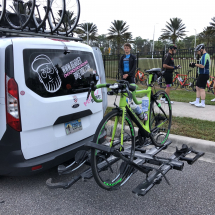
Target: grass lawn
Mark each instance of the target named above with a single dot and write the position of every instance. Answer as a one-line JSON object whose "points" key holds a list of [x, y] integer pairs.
{"points": [[189, 127], [179, 95]]}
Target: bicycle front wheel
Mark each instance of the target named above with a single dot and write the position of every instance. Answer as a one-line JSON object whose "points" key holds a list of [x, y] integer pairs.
{"points": [[111, 172], [176, 84], [190, 84], [19, 13], [160, 118]]}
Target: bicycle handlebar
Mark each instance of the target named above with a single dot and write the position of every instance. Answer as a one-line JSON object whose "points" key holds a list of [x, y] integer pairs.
{"points": [[120, 86]]}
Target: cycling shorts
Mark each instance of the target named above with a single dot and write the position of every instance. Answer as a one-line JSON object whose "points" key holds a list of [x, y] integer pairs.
{"points": [[202, 80], [168, 77]]}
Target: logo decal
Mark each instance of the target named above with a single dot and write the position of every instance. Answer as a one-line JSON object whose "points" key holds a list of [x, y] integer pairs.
{"points": [[75, 106], [22, 93], [75, 99], [47, 73], [91, 100]]}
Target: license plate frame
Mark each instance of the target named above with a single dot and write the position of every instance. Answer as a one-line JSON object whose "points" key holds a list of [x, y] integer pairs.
{"points": [[73, 126]]}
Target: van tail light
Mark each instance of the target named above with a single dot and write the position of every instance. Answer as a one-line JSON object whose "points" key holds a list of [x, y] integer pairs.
{"points": [[12, 104]]}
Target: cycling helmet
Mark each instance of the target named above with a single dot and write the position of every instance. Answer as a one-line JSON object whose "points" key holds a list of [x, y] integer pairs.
{"points": [[199, 47], [172, 46]]}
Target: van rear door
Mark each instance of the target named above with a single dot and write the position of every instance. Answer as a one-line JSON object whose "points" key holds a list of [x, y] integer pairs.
{"points": [[52, 94]]}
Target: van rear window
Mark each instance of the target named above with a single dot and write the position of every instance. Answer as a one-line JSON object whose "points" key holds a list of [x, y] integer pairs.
{"points": [[51, 73]]}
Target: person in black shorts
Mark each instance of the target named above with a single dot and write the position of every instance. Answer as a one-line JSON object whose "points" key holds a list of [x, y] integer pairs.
{"points": [[203, 71], [127, 65], [168, 65]]}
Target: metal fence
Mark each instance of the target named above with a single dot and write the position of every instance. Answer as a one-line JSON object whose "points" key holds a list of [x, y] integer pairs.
{"points": [[150, 60]]}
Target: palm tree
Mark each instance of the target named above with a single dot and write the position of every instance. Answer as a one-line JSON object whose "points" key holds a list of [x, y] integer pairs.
{"points": [[212, 23], [174, 30], [118, 32], [207, 35], [68, 21], [82, 28]]}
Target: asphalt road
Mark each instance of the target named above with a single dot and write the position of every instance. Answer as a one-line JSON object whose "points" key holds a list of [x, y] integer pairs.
{"points": [[192, 191]]}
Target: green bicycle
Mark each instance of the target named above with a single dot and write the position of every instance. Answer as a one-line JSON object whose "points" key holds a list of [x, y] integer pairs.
{"points": [[117, 131]]}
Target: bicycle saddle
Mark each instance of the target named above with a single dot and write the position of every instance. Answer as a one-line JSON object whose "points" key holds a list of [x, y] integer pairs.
{"points": [[154, 70]]}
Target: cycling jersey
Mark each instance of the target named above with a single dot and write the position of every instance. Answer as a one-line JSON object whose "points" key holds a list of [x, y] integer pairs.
{"points": [[126, 63], [168, 60], [205, 61]]}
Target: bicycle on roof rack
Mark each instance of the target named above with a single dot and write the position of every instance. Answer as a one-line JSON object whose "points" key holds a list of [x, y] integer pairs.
{"points": [[40, 16], [116, 153]]}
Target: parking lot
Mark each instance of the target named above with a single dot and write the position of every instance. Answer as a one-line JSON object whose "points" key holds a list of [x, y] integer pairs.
{"points": [[191, 192]]}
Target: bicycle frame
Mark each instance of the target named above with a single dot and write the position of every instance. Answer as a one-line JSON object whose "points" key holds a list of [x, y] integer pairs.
{"points": [[142, 78], [210, 85], [123, 105], [177, 77]]}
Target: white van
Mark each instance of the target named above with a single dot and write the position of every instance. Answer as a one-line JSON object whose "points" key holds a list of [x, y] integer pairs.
{"points": [[44, 115]]}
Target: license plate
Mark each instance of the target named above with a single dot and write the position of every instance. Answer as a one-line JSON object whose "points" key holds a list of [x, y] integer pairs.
{"points": [[73, 126]]}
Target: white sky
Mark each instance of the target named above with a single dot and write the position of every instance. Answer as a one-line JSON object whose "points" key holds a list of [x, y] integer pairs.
{"points": [[142, 15]]}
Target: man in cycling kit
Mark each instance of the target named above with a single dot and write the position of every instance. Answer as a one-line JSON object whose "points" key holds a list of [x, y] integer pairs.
{"points": [[203, 71], [128, 64], [168, 65]]}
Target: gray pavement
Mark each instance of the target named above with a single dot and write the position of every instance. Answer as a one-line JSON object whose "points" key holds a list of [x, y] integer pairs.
{"points": [[191, 192], [181, 109]]}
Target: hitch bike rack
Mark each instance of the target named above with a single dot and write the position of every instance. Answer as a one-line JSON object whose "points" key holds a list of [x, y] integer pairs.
{"points": [[142, 156]]}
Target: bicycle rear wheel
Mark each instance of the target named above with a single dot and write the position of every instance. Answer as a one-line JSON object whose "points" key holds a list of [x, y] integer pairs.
{"points": [[190, 84], [111, 172], [162, 83], [136, 79], [145, 78], [160, 118], [19, 13]]}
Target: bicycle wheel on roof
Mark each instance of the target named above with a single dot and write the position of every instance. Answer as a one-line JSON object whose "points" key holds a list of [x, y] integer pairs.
{"points": [[2, 9], [41, 13], [19, 13], [71, 17], [55, 15]]}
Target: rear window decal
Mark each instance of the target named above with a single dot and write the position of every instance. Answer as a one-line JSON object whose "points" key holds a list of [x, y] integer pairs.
{"points": [[51, 73], [47, 73], [77, 67]]}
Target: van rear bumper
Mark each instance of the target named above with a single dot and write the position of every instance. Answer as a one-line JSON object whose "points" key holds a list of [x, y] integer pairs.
{"points": [[14, 163]]}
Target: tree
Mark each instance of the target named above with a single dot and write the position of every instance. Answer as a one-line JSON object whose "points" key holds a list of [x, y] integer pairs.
{"points": [[82, 28], [180, 44], [189, 42], [174, 30], [158, 45], [212, 23], [68, 21], [207, 36], [118, 31], [102, 43]]}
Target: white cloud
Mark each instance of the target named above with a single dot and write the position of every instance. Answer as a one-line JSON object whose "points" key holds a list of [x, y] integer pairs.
{"points": [[141, 15]]}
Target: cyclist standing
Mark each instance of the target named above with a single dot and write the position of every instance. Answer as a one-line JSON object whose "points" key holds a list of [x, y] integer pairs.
{"points": [[128, 64], [203, 71], [168, 65]]}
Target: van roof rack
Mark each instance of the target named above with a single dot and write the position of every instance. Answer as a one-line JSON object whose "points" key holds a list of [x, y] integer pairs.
{"points": [[16, 33]]}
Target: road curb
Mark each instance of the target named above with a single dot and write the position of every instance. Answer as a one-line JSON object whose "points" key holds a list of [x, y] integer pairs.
{"points": [[197, 144]]}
